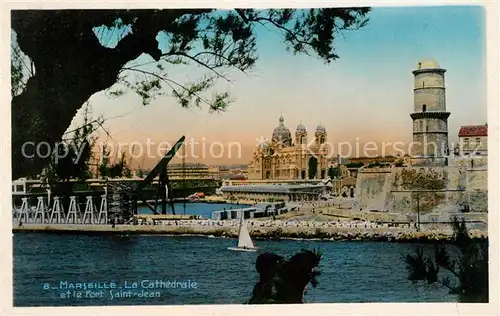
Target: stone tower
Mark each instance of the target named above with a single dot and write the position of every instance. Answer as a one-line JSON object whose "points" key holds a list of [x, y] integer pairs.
{"points": [[300, 135], [430, 119]]}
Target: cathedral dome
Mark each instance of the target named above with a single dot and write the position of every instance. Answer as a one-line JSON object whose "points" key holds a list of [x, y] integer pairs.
{"points": [[281, 133], [320, 129], [300, 129]]}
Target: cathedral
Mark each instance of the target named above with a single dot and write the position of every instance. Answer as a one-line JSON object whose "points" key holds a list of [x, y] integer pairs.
{"points": [[284, 157]]}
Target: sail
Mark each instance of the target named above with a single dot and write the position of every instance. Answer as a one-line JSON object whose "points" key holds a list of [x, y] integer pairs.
{"points": [[244, 239]]}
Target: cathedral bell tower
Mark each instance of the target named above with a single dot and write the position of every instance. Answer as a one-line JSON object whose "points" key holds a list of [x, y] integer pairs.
{"points": [[300, 135], [320, 135]]}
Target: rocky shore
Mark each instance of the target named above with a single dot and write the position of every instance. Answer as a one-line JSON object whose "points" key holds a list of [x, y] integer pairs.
{"points": [[391, 234]]}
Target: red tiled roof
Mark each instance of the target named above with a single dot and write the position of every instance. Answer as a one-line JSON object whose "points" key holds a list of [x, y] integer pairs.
{"points": [[238, 177], [473, 130]]}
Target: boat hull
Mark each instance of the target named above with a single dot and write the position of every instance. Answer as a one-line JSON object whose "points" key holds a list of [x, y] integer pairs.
{"points": [[243, 249]]}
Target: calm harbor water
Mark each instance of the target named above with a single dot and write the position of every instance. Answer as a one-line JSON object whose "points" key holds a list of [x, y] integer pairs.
{"points": [[202, 269], [45, 264], [193, 208]]}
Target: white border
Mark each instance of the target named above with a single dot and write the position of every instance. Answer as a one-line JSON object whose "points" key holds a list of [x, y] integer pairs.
{"points": [[492, 13]]}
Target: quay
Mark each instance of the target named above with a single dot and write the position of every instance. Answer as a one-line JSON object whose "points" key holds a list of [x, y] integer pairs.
{"points": [[259, 229], [298, 217], [306, 220]]}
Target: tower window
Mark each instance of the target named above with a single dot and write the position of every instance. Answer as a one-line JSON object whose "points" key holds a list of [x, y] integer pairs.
{"points": [[424, 107], [423, 84]]}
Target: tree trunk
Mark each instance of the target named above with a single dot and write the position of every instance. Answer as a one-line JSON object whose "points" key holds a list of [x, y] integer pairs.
{"points": [[70, 66], [44, 110], [34, 123]]}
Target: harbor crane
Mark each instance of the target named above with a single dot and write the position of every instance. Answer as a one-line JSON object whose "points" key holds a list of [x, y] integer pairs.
{"points": [[133, 192]]}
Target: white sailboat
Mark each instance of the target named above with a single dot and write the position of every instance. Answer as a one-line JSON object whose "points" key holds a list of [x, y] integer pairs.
{"points": [[244, 241]]}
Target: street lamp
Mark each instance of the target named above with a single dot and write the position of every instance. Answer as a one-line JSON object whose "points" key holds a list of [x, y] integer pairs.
{"points": [[418, 212]]}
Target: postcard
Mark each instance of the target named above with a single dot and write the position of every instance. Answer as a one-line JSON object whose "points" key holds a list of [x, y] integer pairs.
{"points": [[194, 156]]}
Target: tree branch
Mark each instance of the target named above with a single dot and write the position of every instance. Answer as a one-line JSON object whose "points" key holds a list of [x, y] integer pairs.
{"points": [[20, 58], [261, 19], [199, 62], [145, 30], [219, 56], [169, 82], [69, 72]]}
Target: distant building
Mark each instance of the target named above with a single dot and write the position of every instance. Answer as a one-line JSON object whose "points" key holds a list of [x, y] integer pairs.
{"points": [[274, 191], [343, 180], [213, 171], [473, 141], [225, 172], [238, 177], [345, 187], [287, 158], [19, 186], [188, 171]]}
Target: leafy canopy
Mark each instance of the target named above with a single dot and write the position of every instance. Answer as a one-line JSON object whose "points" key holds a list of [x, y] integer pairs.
{"points": [[67, 56], [215, 40]]}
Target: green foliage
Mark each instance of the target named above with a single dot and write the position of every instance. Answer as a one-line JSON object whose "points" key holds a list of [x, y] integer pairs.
{"points": [[333, 172], [284, 281], [17, 71], [116, 170], [399, 163], [312, 31], [141, 172], [422, 179], [425, 185], [104, 162], [466, 260], [355, 165], [219, 41], [377, 164], [72, 158], [127, 173]]}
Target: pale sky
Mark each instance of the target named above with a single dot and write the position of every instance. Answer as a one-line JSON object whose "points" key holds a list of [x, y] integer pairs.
{"points": [[366, 95]]}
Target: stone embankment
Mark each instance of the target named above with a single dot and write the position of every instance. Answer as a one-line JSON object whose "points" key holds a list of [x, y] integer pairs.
{"points": [[395, 234]]}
